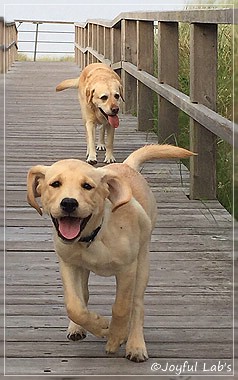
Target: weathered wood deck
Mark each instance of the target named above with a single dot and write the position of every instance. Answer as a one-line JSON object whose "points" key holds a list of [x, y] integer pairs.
{"points": [[189, 297]]}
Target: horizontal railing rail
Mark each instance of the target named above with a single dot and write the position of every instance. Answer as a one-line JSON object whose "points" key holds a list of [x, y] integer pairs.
{"points": [[8, 44], [127, 44], [35, 42]]}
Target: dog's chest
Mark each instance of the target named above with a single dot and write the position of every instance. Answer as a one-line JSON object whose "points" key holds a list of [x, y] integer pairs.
{"points": [[99, 258]]}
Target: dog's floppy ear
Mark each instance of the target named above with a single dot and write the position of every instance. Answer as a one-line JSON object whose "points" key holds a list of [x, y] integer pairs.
{"points": [[35, 175], [119, 191], [89, 94]]}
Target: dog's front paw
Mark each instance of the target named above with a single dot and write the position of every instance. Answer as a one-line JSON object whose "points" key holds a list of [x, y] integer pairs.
{"points": [[101, 147], [109, 159], [91, 159], [136, 353], [76, 332]]}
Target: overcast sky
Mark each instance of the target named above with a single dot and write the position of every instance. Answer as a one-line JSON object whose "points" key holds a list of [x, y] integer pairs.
{"points": [[80, 11]]}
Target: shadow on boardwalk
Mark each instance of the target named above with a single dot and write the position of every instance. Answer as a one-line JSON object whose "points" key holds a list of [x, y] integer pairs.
{"points": [[188, 302]]}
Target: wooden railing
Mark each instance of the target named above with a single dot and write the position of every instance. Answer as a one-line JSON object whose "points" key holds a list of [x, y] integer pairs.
{"points": [[127, 44], [8, 44]]}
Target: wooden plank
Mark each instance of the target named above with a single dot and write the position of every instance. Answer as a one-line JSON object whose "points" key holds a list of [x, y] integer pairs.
{"points": [[110, 366], [169, 321], [41, 334], [168, 289], [56, 301], [104, 308], [97, 350]]}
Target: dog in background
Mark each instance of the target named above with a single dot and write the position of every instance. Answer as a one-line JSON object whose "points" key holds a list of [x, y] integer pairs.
{"points": [[103, 219], [100, 93]]}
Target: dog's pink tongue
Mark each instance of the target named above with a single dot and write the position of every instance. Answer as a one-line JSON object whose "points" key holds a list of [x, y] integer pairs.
{"points": [[114, 121], [69, 227]]}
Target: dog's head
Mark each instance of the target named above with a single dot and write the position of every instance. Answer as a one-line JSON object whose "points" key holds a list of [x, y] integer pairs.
{"points": [[106, 97], [74, 193]]}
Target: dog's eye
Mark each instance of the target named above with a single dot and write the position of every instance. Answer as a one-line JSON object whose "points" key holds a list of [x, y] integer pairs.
{"points": [[116, 96], [87, 186], [104, 98], [55, 184]]}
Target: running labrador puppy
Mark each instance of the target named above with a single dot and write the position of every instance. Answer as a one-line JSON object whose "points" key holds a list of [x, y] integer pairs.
{"points": [[102, 220], [100, 92]]}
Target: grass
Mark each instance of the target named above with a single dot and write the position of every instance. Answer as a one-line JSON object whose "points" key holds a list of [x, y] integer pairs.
{"points": [[25, 57]]}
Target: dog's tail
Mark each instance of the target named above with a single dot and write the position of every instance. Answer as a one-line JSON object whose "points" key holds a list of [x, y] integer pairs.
{"points": [[68, 83], [153, 152]]}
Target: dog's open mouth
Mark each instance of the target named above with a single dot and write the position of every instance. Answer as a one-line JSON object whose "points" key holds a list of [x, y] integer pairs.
{"points": [[70, 228], [112, 120]]}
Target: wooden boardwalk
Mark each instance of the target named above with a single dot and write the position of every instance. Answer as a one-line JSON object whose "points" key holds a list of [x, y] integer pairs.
{"points": [[188, 312]]}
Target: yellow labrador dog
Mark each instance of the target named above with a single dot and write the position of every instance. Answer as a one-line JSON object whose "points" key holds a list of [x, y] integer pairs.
{"points": [[100, 92], [102, 219]]}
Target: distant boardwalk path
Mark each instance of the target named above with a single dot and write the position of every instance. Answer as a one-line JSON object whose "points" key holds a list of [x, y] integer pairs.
{"points": [[188, 303]]}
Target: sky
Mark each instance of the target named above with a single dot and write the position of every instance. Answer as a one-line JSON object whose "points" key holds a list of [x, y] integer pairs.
{"points": [[73, 11], [80, 11]]}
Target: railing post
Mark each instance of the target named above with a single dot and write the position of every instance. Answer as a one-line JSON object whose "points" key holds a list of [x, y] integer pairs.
{"points": [[115, 45], [36, 40], [145, 61], [81, 43], [77, 41], [168, 48], [6, 52], [107, 43], [89, 42], [1, 45], [94, 41], [16, 39], [129, 54], [203, 73], [100, 39], [85, 42]]}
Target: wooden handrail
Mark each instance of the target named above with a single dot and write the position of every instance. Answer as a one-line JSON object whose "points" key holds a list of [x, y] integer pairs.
{"points": [[208, 16], [125, 44], [45, 22], [214, 122]]}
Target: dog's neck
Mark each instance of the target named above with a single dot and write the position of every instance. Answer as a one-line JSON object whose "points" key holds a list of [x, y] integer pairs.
{"points": [[90, 238]]}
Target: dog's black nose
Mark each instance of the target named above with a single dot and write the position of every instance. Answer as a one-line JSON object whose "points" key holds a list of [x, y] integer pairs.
{"points": [[69, 204], [115, 110]]}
